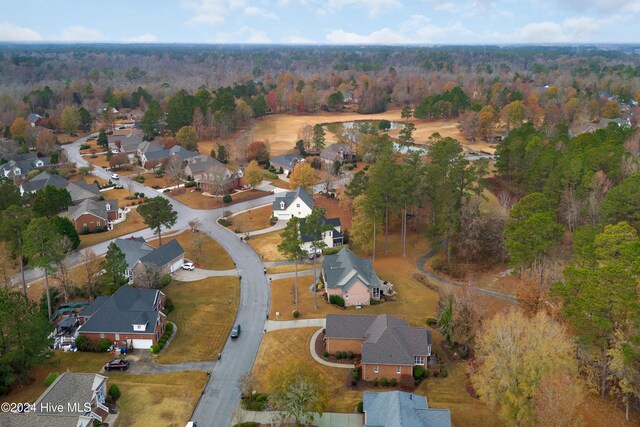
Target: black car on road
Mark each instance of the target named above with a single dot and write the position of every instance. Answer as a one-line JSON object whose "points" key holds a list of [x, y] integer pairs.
{"points": [[235, 332]]}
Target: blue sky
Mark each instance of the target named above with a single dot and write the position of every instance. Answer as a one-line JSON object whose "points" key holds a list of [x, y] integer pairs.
{"points": [[322, 22]]}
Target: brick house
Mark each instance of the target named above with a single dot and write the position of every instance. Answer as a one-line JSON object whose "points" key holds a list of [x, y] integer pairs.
{"points": [[351, 278], [141, 256], [131, 317], [338, 152], [401, 409], [80, 397], [388, 347], [212, 176], [91, 215]]}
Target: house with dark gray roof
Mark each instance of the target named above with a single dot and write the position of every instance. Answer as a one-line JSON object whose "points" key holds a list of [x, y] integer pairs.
{"points": [[81, 190], [401, 409], [34, 119], [79, 400], [388, 346], [332, 236], [212, 176], [41, 180], [94, 215], [20, 165], [131, 317], [127, 143], [297, 203], [338, 152], [287, 162], [161, 156], [351, 278], [141, 256]]}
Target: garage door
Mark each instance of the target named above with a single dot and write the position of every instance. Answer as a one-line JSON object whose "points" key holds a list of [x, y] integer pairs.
{"points": [[176, 265], [141, 344], [284, 216]]}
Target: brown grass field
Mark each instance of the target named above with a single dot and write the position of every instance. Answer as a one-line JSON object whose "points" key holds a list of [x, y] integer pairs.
{"points": [[266, 245], [252, 220], [204, 314], [120, 195], [154, 400], [196, 200], [150, 180], [214, 257], [283, 300], [288, 268], [133, 223]]}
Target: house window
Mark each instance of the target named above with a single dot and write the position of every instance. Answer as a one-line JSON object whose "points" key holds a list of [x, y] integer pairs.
{"points": [[375, 369], [98, 223], [376, 292], [84, 225], [117, 337], [101, 334], [418, 360], [281, 205], [297, 205], [397, 369], [346, 296]]}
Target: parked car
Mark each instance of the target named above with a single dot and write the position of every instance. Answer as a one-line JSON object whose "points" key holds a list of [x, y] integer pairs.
{"points": [[115, 176], [117, 364], [313, 253], [188, 265], [114, 151], [235, 331]]}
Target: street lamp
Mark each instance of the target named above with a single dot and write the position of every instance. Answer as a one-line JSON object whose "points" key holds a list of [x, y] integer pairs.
{"points": [[235, 294]]}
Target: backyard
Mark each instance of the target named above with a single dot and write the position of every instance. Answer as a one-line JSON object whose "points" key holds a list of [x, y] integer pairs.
{"points": [[204, 313]]}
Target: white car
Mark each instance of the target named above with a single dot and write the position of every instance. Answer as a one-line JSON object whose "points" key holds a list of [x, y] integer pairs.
{"points": [[188, 266], [115, 176], [114, 151], [313, 253]]}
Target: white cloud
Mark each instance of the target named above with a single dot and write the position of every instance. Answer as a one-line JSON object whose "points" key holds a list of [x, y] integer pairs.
{"points": [[541, 32], [14, 33], [210, 12], [80, 34], [261, 13], [143, 38], [384, 36]]}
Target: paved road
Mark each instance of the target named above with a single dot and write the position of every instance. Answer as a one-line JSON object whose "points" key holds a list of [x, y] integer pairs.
{"points": [[448, 282], [221, 395]]}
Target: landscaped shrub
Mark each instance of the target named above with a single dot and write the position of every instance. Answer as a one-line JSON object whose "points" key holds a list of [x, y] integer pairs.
{"points": [[103, 345], [418, 372], [374, 382], [325, 354], [355, 374], [85, 146], [383, 382], [463, 352], [334, 250], [85, 344], [360, 407], [269, 175], [343, 354], [337, 300], [296, 314], [227, 199], [247, 424], [338, 355], [393, 382], [273, 220], [51, 378], [190, 184], [431, 321], [349, 354], [114, 391], [168, 329], [444, 373], [223, 222], [436, 373], [164, 281]]}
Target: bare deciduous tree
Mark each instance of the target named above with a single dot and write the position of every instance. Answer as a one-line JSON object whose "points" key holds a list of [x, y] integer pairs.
{"points": [[91, 265]]}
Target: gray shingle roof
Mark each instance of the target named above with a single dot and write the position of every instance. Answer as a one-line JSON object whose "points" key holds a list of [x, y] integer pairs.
{"points": [[334, 152], [133, 249], [33, 118], [128, 142], [344, 269], [94, 306], [43, 179], [33, 419], [95, 207], [202, 164], [400, 409], [71, 388], [176, 150], [290, 196], [286, 160], [81, 190], [387, 339], [163, 255], [128, 306]]}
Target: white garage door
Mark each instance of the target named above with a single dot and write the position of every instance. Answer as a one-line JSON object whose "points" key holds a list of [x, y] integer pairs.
{"points": [[284, 216], [176, 265], [142, 344]]}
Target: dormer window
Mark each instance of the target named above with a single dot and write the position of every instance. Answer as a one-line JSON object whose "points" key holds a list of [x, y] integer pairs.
{"points": [[17, 171], [281, 205], [108, 207], [139, 327]]}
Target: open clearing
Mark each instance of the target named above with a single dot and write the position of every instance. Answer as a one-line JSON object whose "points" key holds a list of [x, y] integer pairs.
{"points": [[133, 223], [196, 200], [283, 300], [158, 400], [204, 313], [252, 219], [266, 245], [212, 257]]}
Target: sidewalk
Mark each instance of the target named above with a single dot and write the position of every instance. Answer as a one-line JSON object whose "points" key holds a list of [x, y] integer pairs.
{"points": [[274, 325], [320, 360]]}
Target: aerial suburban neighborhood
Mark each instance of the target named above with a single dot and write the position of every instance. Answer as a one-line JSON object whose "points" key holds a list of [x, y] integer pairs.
{"points": [[215, 215]]}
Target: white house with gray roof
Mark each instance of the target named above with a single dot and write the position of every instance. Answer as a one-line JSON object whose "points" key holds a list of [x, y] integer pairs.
{"points": [[297, 203], [401, 409], [79, 399], [351, 278]]}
